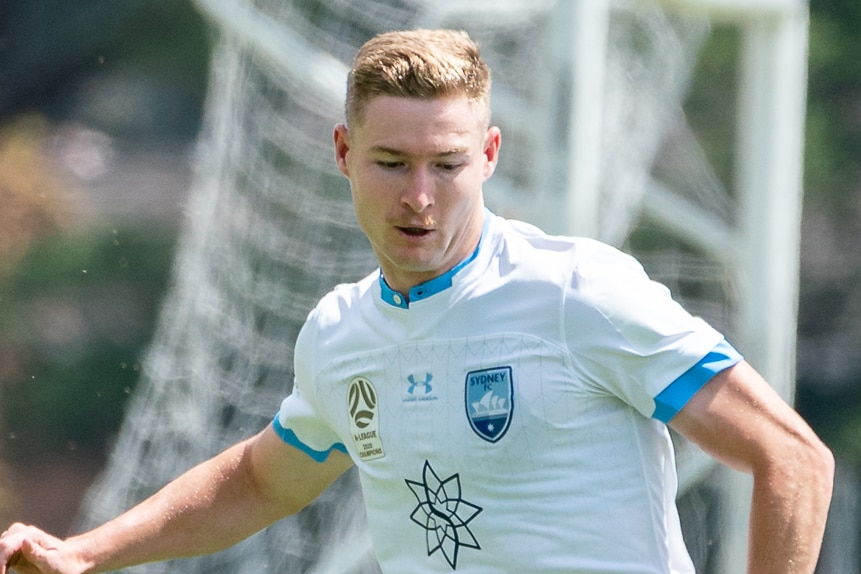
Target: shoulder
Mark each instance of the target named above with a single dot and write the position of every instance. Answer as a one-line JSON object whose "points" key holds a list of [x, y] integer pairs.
{"points": [[570, 259], [611, 285], [603, 290], [336, 311], [342, 301]]}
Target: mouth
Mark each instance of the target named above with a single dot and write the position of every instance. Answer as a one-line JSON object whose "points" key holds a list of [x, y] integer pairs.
{"points": [[415, 231], [418, 227]]}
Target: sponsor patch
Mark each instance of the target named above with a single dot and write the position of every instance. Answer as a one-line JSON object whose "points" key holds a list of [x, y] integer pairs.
{"points": [[490, 402], [444, 513], [364, 419]]}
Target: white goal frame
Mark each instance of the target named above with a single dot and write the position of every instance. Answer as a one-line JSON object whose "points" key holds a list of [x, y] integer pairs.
{"points": [[763, 251]]}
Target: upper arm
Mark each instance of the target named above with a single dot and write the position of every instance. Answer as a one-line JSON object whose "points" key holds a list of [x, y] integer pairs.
{"points": [[287, 476], [743, 422], [738, 418]]}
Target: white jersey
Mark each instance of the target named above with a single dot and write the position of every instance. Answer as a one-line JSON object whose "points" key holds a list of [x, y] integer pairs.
{"points": [[506, 418]]}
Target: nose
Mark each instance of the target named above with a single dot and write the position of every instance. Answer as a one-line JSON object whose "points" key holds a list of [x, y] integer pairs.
{"points": [[418, 194]]}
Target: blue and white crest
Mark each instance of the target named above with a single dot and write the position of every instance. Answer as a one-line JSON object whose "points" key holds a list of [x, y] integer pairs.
{"points": [[490, 402]]}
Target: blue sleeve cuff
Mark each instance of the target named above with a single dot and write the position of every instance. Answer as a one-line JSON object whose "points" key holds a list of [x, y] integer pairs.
{"points": [[673, 398], [290, 438]]}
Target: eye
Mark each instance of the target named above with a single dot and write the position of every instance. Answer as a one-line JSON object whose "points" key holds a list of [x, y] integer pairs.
{"points": [[392, 164], [450, 166]]}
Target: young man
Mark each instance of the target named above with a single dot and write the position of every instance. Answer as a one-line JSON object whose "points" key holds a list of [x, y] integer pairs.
{"points": [[503, 393]]}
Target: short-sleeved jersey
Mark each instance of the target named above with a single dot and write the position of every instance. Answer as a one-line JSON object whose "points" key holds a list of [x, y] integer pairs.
{"points": [[503, 417]]}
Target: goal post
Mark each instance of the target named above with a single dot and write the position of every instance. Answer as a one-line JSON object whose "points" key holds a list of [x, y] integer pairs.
{"points": [[762, 248]]}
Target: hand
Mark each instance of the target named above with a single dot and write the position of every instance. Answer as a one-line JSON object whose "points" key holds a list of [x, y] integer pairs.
{"points": [[29, 550]]}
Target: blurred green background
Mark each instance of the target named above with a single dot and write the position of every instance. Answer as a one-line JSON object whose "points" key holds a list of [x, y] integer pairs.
{"points": [[100, 105]]}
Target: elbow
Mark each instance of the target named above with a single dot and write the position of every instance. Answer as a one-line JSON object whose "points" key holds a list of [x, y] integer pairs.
{"points": [[824, 465], [814, 474], [819, 485], [803, 469]]}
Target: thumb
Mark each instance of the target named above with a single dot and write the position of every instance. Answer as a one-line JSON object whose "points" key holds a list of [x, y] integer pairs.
{"points": [[34, 559]]}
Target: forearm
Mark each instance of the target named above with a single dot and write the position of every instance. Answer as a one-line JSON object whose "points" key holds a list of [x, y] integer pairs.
{"points": [[788, 515], [209, 508]]}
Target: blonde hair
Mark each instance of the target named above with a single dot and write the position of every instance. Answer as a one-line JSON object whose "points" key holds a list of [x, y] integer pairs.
{"points": [[423, 64]]}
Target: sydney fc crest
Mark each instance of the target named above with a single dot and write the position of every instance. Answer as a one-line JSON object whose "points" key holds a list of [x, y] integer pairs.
{"points": [[490, 402]]}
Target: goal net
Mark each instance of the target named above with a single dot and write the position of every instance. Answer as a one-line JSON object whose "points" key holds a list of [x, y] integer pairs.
{"points": [[270, 226]]}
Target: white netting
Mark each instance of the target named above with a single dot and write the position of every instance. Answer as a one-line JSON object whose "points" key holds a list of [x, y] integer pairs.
{"points": [[271, 227]]}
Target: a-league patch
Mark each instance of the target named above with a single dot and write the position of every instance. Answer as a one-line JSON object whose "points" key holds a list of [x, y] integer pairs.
{"points": [[490, 402], [364, 419]]}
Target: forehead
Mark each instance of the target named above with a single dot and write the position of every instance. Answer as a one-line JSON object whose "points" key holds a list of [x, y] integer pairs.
{"points": [[395, 122]]}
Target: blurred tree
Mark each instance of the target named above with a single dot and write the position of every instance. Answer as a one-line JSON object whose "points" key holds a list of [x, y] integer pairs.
{"points": [[50, 50], [31, 191], [833, 150]]}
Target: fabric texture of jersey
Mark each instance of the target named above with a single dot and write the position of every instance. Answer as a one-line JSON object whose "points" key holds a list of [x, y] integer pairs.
{"points": [[505, 423]]}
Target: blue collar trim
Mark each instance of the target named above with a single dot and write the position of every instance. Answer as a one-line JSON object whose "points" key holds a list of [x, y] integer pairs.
{"points": [[435, 285]]}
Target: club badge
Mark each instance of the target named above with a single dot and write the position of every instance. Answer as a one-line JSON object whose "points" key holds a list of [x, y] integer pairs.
{"points": [[490, 402]]}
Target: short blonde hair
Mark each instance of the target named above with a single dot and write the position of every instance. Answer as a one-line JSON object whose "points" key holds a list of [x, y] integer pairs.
{"points": [[423, 64]]}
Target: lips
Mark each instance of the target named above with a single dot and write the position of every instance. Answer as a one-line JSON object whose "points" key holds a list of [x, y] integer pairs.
{"points": [[415, 231]]}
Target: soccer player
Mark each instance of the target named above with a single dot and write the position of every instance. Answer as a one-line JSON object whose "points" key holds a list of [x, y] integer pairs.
{"points": [[505, 394]]}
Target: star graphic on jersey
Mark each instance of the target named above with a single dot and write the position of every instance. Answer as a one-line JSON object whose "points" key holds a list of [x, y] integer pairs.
{"points": [[443, 514]]}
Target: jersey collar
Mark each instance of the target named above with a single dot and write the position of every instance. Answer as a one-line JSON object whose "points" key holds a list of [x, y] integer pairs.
{"points": [[435, 285]]}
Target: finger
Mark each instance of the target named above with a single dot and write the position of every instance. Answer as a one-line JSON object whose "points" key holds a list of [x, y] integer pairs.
{"points": [[11, 539], [30, 560], [14, 546], [33, 553], [8, 565], [16, 527], [10, 550]]}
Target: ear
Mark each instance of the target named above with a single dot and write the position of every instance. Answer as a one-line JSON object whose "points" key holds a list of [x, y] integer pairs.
{"points": [[342, 147], [492, 141]]}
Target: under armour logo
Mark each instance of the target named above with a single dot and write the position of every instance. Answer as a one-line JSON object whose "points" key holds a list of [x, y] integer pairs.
{"points": [[423, 387]]}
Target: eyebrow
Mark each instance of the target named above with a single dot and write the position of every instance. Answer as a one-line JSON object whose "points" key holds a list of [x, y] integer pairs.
{"points": [[396, 152]]}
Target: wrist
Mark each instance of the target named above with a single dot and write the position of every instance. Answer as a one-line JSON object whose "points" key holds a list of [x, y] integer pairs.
{"points": [[81, 555]]}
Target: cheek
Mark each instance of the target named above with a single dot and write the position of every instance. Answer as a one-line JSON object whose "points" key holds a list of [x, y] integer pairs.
{"points": [[373, 193], [365, 208], [358, 204], [467, 190]]}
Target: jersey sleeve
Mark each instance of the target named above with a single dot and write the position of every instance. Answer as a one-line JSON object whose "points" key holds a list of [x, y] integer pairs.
{"points": [[629, 338], [298, 425], [675, 396], [298, 421]]}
